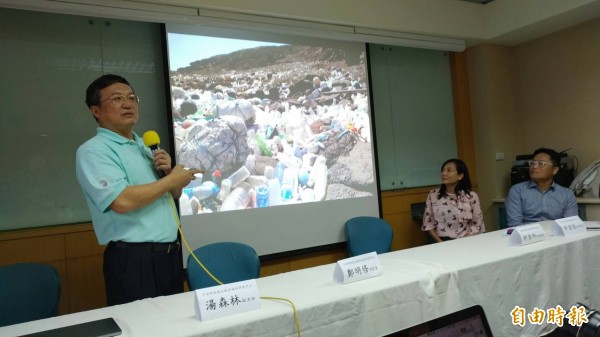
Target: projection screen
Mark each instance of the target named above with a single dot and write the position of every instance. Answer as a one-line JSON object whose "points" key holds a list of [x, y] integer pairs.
{"points": [[282, 127]]}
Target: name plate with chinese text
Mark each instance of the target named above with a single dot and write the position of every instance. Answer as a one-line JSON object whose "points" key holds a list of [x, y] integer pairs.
{"points": [[357, 268], [569, 226], [225, 300], [526, 234]]}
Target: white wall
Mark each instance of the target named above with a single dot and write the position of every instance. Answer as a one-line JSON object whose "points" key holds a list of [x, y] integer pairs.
{"points": [[542, 93], [558, 91]]}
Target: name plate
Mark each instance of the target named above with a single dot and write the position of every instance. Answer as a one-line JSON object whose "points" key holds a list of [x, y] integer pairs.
{"points": [[572, 225], [225, 300], [357, 268], [526, 234]]}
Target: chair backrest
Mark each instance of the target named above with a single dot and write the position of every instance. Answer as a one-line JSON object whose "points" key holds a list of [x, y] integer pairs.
{"points": [[367, 234], [227, 261], [28, 291]]}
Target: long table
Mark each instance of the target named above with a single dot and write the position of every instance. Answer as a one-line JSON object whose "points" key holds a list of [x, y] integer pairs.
{"points": [[417, 284]]}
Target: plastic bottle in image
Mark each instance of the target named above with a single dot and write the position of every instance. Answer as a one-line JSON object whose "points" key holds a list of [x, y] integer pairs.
{"points": [[225, 189], [237, 199], [216, 177], [238, 176], [252, 197], [262, 196], [269, 171], [289, 186], [196, 205], [279, 168], [194, 183], [320, 178], [206, 190], [303, 177], [320, 160], [274, 192], [185, 204], [250, 163]]}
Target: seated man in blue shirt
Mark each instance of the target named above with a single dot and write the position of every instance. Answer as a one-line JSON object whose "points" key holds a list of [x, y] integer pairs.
{"points": [[540, 198]]}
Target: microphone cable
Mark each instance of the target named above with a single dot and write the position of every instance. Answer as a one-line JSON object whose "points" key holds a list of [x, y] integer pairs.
{"points": [[187, 246]]}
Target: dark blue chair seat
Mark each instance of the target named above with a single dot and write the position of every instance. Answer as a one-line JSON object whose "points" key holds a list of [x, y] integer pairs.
{"points": [[28, 291], [367, 234], [227, 261]]}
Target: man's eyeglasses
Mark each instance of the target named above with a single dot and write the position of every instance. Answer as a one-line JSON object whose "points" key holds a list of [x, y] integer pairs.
{"points": [[538, 163], [120, 99]]}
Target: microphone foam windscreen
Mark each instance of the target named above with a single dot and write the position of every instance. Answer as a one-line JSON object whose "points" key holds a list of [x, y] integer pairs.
{"points": [[151, 138]]}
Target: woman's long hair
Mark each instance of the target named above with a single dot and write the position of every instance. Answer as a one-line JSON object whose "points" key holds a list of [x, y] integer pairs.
{"points": [[463, 185]]}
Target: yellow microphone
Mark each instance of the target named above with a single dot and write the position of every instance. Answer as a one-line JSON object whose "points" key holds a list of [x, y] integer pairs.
{"points": [[152, 140]]}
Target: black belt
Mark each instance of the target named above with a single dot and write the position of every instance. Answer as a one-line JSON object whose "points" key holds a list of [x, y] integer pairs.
{"points": [[155, 247]]}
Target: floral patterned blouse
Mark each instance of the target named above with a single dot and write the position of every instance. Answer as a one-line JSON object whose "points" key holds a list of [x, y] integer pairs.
{"points": [[453, 216]]}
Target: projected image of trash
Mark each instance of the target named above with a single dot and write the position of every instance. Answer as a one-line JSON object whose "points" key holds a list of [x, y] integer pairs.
{"points": [[270, 124]]}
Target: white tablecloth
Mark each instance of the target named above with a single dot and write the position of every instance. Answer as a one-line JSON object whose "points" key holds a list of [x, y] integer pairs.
{"points": [[416, 285], [497, 276]]}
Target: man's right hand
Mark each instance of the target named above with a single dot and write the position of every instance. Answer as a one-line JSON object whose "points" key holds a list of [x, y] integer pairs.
{"points": [[181, 176]]}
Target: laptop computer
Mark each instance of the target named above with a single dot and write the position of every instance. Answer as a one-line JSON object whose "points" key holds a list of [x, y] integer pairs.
{"points": [[106, 327], [468, 322]]}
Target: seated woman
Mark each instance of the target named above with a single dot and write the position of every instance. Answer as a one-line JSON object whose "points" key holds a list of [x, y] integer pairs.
{"points": [[452, 211]]}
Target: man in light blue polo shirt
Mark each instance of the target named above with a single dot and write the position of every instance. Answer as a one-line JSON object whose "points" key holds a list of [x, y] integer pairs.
{"points": [[540, 198], [132, 210]]}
